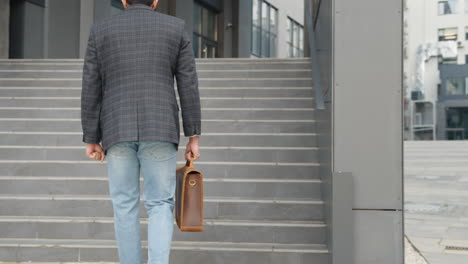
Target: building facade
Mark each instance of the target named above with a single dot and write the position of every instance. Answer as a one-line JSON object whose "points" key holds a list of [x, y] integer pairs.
{"points": [[436, 36], [452, 107], [220, 28]]}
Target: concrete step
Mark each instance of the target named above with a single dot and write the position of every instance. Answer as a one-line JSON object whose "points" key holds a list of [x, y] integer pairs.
{"points": [[212, 125], [220, 187], [284, 155], [205, 92], [215, 73], [214, 207], [220, 170], [208, 113], [203, 82], [251, 60], [92, 251], [206, 102], [201, 66], [236, 231], [207, 140], [197, 60]]}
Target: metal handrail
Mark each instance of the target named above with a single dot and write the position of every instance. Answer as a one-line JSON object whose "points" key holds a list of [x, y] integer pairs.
{"points": [[310, 25], [316, 13]]}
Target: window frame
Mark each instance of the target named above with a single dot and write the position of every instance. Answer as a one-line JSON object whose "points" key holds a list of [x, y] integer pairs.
{"points": [[455, 7], [442, 37], [198, 34], [295, 45], [257, 48]]}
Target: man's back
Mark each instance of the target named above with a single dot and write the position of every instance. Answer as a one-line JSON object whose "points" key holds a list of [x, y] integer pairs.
{"points": [[128, 79]]}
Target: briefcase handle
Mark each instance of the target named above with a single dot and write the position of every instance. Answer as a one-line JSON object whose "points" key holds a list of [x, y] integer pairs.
{"points": [[189, 162]]}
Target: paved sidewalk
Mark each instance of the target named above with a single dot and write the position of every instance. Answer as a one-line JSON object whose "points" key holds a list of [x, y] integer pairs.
{"points": [[436, 199], [412, 255]]}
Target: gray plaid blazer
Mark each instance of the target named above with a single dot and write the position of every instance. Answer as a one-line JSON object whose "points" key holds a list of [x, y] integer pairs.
{"points": [[128, 89]]}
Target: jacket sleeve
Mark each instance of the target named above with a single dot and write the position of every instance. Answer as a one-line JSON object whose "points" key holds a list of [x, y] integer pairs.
{"points": [[91, 93], [187, 86]]}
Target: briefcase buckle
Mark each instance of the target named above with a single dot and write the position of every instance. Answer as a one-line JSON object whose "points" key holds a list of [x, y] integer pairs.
{"points": [[192, 183]]}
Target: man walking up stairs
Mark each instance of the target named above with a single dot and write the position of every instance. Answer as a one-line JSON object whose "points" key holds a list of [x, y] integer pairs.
{"points": [[262, 188]]}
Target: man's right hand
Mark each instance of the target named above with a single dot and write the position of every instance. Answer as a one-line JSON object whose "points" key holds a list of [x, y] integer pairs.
{"points": [[192, 151], [95, 151]]}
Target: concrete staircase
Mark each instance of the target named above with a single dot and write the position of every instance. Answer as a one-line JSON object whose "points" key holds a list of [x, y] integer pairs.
{"points": [[262, 189]]}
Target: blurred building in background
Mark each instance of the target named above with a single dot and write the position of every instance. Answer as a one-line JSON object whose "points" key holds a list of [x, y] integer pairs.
{"points": [[436, 74], [328, 190], [220, 28]]}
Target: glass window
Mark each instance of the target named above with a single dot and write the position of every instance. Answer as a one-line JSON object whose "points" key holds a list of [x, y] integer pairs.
{"points": [[255, 45], [288, 37], [457, 123], [301, 42], [272, 29], [265, 32], [295, 39], [454, 119], [448, 34], [456, 135], [446, 7], [205, 32], [264, 29], [455, 86], [452, 60]]}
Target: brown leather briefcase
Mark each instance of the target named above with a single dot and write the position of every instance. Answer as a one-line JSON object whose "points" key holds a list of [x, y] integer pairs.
{"points": [[189, 198]]}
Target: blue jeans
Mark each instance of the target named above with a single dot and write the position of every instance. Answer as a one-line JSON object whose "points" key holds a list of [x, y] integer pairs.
{"points": [[157, 160]]}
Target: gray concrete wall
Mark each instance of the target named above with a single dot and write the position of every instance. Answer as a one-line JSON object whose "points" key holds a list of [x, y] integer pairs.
{"points": [[28, 35], [86, 20], [324, 44], [34, 42], [64, 29], [184, 10], [243, 13], [163, 6], [226, 38], [367, 122], [102, 9], [365, 142], [4, 28]]}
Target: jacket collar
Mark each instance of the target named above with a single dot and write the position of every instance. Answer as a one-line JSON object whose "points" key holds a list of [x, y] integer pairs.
{"points": [[139, 6]]}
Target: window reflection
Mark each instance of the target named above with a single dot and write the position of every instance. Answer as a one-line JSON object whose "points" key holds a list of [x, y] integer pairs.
{"points": [[448, 34], [446, 7], [295, 38], [457, 123], [455, 86], [205, 32], [264, 29]]}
